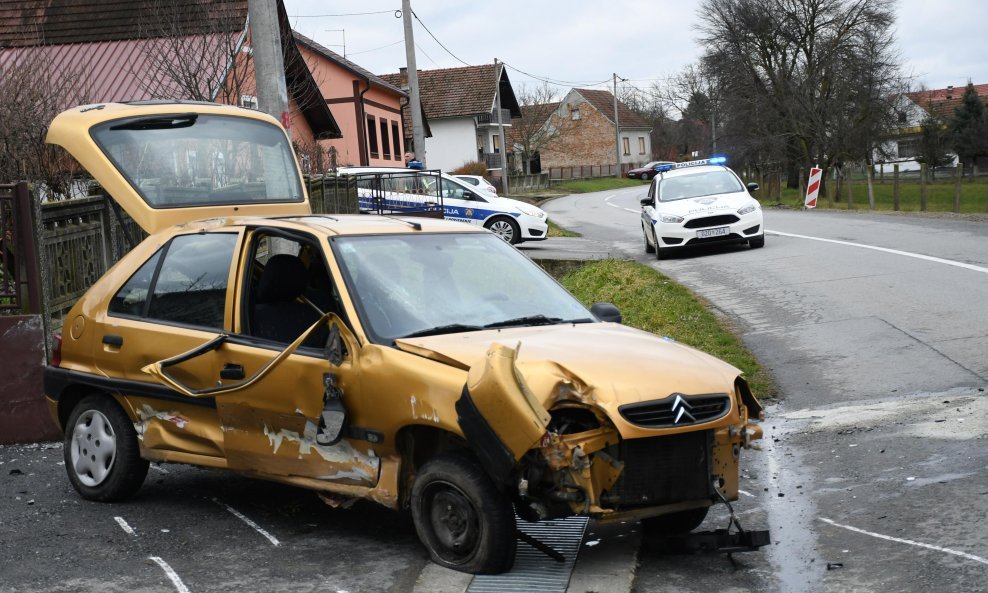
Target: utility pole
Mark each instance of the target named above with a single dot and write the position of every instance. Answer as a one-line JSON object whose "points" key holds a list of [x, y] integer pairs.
{"points": [[269, 61], [500, 128], [617, 130], [414, 99]]}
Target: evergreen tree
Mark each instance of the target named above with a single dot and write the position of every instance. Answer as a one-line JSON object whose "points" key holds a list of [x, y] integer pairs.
{"points": [[969, 128]]}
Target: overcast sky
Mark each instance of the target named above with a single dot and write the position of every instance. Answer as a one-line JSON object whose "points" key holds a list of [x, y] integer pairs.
{"points": [[582, 42]]}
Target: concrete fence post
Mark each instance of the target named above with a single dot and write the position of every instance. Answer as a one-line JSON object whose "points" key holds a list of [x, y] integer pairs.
{"points": [[958, 175], [922, 187]]}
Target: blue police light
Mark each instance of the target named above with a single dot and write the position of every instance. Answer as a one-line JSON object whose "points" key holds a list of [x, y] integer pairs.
{"points": [[717, 160], [663, 168]]}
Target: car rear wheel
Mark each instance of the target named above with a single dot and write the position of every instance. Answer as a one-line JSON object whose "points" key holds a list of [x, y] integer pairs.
{"points": [[757, 242], [101, 453], [462, 518], [649, 248], [505, 228], [675, 523]]}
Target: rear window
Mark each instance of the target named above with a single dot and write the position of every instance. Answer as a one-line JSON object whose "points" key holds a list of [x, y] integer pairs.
{"points": [[191, 159]]}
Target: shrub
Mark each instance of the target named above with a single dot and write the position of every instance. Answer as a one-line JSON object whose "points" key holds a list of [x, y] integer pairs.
{"points": [[472, 168]]}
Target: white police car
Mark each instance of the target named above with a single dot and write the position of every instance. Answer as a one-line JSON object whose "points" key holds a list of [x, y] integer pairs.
{"points": [[699, 203], [397, 187]]}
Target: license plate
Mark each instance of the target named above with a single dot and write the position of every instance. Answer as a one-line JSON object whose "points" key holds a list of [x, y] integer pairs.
{"points": [[722, 231]]}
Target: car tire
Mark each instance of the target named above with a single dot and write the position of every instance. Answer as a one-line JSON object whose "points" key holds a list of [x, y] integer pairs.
{"points": [[102, 456], [649, 248], [462, 518], [645, 177], [660, 253], [675, 523], [505, 228], [757, 242]]}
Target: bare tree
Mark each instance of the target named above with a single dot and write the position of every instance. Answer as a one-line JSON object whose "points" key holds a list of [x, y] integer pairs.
{"points": [[539, 124], [34, 88], [802, 82]]}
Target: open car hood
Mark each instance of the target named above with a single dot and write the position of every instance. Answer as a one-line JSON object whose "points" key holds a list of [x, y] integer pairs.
{"points": [[172, 163], [621, 365]]}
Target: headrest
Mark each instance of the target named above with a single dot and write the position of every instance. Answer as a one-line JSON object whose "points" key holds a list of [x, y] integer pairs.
{"points": [[283, 279]]}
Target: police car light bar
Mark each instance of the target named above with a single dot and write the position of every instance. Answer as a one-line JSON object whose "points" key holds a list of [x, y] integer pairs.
{"points": [[717, 160]]}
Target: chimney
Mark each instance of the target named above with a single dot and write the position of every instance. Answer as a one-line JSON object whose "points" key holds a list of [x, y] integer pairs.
{"points": [[950, 92], [403, 76]]}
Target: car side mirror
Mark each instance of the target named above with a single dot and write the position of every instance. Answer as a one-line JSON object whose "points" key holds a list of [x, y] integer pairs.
{"points": [[752, 187], [646, 201], [606, 312]]}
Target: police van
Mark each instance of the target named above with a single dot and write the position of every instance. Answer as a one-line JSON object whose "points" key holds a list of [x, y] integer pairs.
{"points": [[397, 189]]}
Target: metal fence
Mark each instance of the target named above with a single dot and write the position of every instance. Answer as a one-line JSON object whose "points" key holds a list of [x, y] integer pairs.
{"points": [[587, 171], [18, 262]]}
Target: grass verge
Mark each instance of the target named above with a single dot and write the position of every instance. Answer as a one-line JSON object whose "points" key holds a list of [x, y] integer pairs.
{"points": [[557, 231], [583, 186], [652, 302], [939, 196]]}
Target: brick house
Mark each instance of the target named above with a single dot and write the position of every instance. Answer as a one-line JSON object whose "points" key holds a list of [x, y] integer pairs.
{"points": [[587, 138], [460, 104], [146, 49], [367, 108], [903, 147]]}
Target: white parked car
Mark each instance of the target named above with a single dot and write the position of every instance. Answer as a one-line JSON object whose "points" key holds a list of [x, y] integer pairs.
{"points": [[699, 203], [478, 181], [392, 189]]}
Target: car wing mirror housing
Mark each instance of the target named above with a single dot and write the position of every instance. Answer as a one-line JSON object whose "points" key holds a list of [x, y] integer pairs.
{"points": [[646, 201], [606, 312], [752, 187]]}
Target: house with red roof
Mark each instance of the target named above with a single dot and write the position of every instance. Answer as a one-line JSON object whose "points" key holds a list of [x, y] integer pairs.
{"points": [[588, 135], [366, 107], [911, 109], [462, 116], [138, 50]]}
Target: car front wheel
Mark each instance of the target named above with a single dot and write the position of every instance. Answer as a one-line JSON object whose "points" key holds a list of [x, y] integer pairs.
{"points": [[649, 248], [646, 176], [462, 518], [505, 228], [101, 453]]}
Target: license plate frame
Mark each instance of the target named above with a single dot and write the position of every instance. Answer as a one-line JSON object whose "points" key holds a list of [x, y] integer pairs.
{"points": [[721, 231]]}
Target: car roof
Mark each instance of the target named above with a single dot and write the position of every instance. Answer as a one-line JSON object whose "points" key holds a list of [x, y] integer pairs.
{"points": [[334, 224], [694, 170]]}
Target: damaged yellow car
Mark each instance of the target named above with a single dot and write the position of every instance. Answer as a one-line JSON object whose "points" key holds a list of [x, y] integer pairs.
{"points": [[419, 363]]}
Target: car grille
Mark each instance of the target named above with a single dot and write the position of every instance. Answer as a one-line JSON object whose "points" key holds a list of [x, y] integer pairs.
{"points": [[707, 221], [663, 413], [663, 470]]}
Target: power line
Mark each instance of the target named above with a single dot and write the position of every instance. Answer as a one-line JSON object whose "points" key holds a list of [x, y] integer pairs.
{"points": [[558, 82], [417, 46], [397, 14], [364, 51], [436, 40]]}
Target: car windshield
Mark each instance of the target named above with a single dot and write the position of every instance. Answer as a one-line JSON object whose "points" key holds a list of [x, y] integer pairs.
{"points": [[696, 185], [194, 159], [428, 284]]}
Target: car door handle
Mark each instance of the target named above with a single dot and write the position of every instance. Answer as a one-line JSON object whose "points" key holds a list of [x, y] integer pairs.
{"points": [[232, 371], [112, 340]]}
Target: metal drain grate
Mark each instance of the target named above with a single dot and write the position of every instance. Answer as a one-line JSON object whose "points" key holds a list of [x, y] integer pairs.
{"points": [[534, 572]]}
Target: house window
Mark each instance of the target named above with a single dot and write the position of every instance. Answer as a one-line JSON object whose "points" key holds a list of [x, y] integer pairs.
{"points": [[386, 140], [396, 137], [641, 145], [372, 136], [627, 145], [497, 143], [908, 148], [248, 101], [575, 113], [902, 117]]}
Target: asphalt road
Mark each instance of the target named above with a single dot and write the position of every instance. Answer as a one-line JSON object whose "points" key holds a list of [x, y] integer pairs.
{"points": [[873, 470]]}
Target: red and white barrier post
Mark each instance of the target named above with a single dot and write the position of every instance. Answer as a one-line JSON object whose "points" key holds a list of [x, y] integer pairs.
{"points": [[813, 187]]}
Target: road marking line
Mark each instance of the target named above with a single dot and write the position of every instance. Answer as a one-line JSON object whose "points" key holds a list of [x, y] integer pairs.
{"points": [[938, 260], [608, 201], [908, 541], [123, 525], [158, 468], [179, 585], [746, 493], [274, 541]]}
